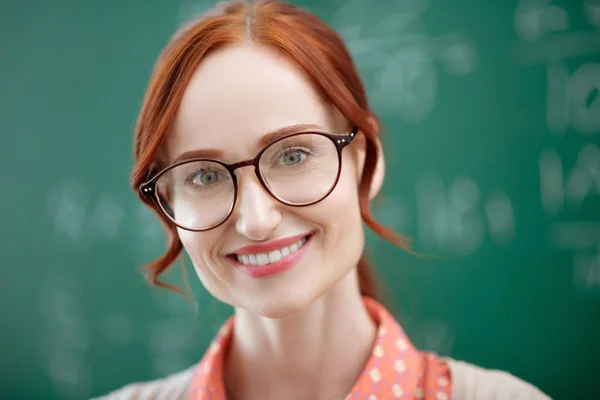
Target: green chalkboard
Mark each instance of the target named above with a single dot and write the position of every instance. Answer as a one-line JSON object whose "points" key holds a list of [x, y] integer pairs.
{"points": [[492, 125]]}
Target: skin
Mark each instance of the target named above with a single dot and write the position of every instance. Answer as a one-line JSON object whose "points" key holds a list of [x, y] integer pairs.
{"points": [[303, 333]]}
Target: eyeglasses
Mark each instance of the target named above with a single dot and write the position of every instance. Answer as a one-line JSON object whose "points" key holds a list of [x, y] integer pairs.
{"points": [[297, 170]]}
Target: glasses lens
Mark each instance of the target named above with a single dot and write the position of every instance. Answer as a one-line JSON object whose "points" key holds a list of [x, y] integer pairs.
{"points": [[300, 169], [196, 195]]}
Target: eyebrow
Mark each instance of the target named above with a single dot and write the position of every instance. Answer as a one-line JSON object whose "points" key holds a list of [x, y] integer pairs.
{"points": [[267, 139]]}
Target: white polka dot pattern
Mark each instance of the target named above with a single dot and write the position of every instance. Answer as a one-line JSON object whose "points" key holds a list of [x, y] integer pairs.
{"points": [[395, 371]]}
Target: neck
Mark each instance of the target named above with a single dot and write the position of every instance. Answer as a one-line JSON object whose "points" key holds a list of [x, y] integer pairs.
{"points": [[317, 353]]}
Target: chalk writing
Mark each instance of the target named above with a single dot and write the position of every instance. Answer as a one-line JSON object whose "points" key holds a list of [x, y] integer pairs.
{"points": [[68, 207], [106, 218], [454, 219], [580, 183], [586, 269], [501, 218], [168, 344], [399, 58], [64, 337], [543, 28], [534, 19], [573, 106], [573, 101], [591, 10]]}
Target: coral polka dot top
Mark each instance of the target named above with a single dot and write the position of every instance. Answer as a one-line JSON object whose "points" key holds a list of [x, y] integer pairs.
{"points": [[395, 369]]}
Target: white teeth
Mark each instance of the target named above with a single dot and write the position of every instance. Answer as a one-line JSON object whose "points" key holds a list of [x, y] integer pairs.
{"points": [[262, 259], [273, 256]]}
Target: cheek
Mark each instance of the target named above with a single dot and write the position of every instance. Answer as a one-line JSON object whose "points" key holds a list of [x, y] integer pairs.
{"points": [[193, 243], [339, 217], [341, 205], [200, 246], [343, 201]]}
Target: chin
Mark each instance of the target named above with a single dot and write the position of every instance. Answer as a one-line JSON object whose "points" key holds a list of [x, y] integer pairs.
{"points": [[283, 303]]}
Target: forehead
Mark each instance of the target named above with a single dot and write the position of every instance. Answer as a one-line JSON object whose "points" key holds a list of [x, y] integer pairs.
{"points": [[238, 94]]}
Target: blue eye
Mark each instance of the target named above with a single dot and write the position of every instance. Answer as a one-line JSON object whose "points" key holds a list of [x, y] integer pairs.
{"points": [[293, 157], [205, 178]]}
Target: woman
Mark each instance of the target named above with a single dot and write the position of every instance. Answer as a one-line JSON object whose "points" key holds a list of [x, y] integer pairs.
{"points": [[257, 148]]}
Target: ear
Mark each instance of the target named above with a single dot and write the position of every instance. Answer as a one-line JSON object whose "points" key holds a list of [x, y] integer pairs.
{"points": [[379, 173]]}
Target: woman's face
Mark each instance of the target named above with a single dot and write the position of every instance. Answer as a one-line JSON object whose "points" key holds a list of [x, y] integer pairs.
{"points": [[236, 96]]}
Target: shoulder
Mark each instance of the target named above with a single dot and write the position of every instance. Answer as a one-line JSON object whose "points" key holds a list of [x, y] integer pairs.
{"points": [[172, 387], [472, 382]]}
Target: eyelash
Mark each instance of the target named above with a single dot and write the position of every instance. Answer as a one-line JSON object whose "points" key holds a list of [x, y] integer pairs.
{"points": [[281, 152], [191, 176], [288, 149]]}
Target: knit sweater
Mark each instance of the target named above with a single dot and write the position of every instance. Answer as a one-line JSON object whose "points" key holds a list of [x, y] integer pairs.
{"points": [[395, 369], [469, 382]]}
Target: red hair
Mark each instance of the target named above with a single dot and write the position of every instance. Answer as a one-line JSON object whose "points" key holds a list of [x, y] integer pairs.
{"points": [[316, 47]]}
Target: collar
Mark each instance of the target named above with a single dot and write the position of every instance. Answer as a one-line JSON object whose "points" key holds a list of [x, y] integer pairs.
{"points": [[395, 369]]}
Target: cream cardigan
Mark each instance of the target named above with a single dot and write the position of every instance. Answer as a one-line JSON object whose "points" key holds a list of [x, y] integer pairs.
{"points": [[469, 382]]}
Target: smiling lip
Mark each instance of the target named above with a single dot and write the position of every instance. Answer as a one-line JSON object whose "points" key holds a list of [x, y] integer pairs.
{"points": [[263, 271], [269, 246]]}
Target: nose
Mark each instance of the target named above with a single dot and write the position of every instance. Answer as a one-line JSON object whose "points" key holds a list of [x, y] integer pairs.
{"points": [[257, 214]]}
